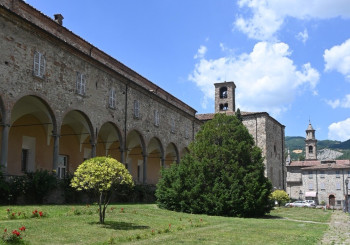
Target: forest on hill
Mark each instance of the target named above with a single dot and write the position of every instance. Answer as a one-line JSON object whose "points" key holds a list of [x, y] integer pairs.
{"points": [[296, 146]]}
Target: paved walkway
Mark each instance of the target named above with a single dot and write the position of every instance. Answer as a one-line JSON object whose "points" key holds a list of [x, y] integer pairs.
{"points": [[339, 229]]}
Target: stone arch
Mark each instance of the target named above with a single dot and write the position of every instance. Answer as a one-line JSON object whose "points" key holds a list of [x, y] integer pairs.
{"points": [[171, 155], [77, 140], [135, 160], [223, 92], [109, 141], [155, 160], [30, 144]]}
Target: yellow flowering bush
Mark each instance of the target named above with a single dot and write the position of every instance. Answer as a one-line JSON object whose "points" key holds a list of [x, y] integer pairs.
{"points": [[101, 174]]}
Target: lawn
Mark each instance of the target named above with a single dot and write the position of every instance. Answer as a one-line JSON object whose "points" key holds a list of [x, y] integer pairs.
{"points": [[147, 224]]}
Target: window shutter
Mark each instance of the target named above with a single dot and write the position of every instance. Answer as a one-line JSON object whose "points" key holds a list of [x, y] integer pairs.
{"points": [[42, 65], [136, 109], [78, 83], [36, 63]]}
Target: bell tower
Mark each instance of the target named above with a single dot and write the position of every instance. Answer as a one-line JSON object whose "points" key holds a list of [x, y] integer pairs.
{"points": [[225, 97], [310, 144]]}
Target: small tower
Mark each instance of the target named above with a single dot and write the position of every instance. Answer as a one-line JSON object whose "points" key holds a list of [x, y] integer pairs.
{"points": [[310, 144], [225, 97]]}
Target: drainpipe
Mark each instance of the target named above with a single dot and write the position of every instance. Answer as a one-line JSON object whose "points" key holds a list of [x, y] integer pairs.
{"points": [[125, 122]]}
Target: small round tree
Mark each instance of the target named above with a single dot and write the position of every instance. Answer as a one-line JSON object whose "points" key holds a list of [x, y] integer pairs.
{"points": [[280, 196], [222, 175], [101, 174]]}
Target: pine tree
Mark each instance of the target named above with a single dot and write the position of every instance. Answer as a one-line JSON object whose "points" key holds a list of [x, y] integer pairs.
{"points": [[222, 175]]}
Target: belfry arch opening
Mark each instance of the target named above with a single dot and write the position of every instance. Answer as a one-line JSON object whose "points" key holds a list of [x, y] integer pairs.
{"points": [[223, 92], [311, 149], [30, 144]]}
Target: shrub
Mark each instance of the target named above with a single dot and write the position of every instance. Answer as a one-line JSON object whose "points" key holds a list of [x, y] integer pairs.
{"points": [[222, 175], [38, 184], [101, 174], [280, 196]]}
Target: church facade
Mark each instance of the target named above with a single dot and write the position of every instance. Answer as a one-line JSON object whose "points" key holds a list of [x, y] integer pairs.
{"points": [[62, 100]]}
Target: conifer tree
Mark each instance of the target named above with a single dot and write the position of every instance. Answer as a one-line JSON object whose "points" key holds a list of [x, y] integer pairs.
{"points": [[222, 175]]}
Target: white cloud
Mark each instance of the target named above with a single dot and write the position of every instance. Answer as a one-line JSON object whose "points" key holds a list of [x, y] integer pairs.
{"points": [[339, 130], [344, 103], [201, 52], [267, 16], [303, 36], [266, 78], [338, 58]]}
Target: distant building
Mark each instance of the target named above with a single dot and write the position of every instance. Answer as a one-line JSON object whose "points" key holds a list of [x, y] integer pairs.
{"points": [[323, 181], [267, 132]]}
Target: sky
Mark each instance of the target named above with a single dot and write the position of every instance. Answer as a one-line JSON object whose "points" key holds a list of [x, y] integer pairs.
{"points": [[288, 58]]}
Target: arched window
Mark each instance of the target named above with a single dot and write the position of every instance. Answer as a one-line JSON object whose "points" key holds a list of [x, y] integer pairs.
{"points": [[311, 149], [225, 107], [223, 92]]}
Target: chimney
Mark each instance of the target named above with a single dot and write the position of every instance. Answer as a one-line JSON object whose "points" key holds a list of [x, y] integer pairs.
{"points": [[58, 18]]}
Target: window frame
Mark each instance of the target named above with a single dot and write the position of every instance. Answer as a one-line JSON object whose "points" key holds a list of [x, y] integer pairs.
{"points": [[112, 98], [136, 108], [80, 84], [39, 65], [156, 118]]}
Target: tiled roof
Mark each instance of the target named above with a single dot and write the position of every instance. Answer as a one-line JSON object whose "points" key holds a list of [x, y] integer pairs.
{"points": [[336, 164], [209, 116]]}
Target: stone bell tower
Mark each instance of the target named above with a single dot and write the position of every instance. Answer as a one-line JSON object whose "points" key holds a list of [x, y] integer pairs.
{"points": [[225, 97], [310, 144]]}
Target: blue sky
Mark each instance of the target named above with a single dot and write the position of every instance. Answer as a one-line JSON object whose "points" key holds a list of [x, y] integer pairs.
{"points": [[288, 58]]}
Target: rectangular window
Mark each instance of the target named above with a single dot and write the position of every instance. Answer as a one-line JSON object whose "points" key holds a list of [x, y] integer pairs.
{"points": [[24, 160], [156, 118], [80, 84], [172, 125], [136, 108], [322, 186], [322, 174], [311, 186], [62, 166], [310, 175], [348, 173], [338, 186], [337, 174], [39, 65], [112, 98], [187, 133], [338, 202]]}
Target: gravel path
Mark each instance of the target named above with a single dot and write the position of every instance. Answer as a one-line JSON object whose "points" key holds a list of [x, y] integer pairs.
{"points": [[339, 229]]}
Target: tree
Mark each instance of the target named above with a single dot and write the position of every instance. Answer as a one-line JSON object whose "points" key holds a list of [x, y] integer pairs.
{"points": [[239, 115], [280, 196], [222, 175], [101, 174]]}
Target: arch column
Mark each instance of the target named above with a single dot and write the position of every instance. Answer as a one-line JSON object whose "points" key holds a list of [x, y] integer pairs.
{"points": [[122, 156], [4, 146], [162, 159], [56, 150], [144, 167], [93, 149]]}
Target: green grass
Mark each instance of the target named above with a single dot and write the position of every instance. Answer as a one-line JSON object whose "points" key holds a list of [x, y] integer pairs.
{"points": [[147, 224]]}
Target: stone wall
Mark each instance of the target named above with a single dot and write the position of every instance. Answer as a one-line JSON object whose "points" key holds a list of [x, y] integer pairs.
{"points": [[25, 31]]}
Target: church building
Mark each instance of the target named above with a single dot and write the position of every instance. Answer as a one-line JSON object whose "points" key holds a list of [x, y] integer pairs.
{"points": [[324, 181], [267, 132]]}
